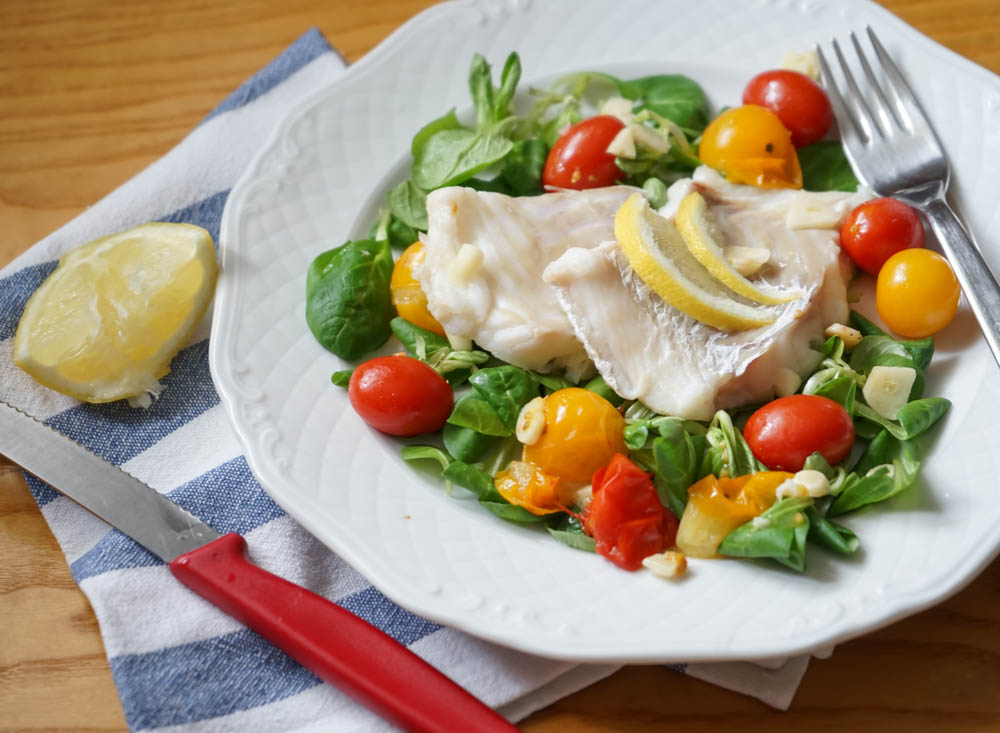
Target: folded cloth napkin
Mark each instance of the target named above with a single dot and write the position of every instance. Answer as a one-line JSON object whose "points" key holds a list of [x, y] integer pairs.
{"points": [[178, 662]]}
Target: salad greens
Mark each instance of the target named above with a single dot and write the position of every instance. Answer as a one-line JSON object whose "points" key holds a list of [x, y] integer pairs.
{"points": [[347, 298], [825, 167], [348, 309]]}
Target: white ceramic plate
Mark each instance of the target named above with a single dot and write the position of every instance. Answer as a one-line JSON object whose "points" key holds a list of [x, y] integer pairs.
{"points": [[318, 181]]}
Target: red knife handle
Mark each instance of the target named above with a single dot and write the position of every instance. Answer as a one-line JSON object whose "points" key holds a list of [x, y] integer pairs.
{"points": [[336, 645]]}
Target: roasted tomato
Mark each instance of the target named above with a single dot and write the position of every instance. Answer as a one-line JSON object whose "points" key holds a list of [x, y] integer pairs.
{"points": [[625, 517], [400, 396], [525, 485], [917, 293], [579, 159], [717, 506], [749, 144], [876, 230], [800, 103], [783, 433]]}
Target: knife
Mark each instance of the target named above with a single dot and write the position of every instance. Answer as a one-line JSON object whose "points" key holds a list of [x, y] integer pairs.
{"points": [[336, 645]]}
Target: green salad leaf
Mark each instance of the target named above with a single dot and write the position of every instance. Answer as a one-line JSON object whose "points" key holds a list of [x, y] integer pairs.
{"points": [[887, 467], [435, 351], [348, 307], [446, 121], [599, 386], [506, 389], [342, 378], [522, 168], [425, 453], [831, 535], [568, 530], [465, 444], [452, 156], [779, 534], [396, 232], [476, 414], [673, 96], [728, 451], [675, 462], [409, 204], [826, 168]]}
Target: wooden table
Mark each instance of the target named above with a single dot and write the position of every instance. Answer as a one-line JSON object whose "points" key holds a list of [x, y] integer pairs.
{"points": [[93, 92]]}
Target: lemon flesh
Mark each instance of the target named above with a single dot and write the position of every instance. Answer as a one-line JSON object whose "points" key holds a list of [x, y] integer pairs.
{"points": [[107, 322], [692, 223], [657, 252]]}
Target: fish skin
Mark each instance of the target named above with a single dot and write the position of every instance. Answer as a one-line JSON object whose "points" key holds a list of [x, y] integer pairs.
{"points": [[647, 350]]}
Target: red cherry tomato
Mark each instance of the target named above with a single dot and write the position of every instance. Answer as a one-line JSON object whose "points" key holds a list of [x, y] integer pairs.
{"points": [[625, 517], [876, 230], [783, 433], [800, 103], [580, 160], [400, 396]]}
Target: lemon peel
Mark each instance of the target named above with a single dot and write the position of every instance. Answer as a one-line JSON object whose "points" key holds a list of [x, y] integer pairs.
{"points": [[107, 322], [659, 256], [693, 225]]}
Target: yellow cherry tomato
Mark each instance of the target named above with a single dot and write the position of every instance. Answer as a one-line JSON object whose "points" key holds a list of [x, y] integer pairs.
{"points": [[526, 485], [407, 294], [917, 293], [749, 144], [583, 432]]}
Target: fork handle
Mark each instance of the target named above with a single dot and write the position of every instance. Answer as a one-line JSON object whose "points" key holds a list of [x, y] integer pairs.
{"points": [[978, 282]]}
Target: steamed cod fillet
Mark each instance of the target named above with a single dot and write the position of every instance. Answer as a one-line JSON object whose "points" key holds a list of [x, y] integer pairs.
{"points": [[647, 350], [499, 299]]}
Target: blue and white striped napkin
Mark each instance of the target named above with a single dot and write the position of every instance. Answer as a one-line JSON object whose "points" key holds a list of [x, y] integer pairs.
{"points": [[178, 662]]}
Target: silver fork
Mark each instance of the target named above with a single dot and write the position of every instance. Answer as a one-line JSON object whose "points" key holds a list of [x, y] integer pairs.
{"points": [[894, 150]]}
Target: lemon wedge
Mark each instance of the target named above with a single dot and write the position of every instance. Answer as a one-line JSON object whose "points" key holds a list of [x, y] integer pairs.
{"points": [[657, 252], [692, 223], [106, 323]]}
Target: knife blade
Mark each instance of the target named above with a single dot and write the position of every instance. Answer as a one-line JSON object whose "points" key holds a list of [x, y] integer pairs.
{"points": [[340, 648]]}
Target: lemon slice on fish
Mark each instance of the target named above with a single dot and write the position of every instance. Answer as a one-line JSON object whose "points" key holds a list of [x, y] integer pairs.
{"points": [[658, 255], [692, 223], [106, 323]]}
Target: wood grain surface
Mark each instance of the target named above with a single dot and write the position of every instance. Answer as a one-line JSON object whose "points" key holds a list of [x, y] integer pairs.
{"points": [[91, 92]]}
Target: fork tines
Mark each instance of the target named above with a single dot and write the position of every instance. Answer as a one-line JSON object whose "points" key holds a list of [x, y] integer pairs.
{"points": [[893, 111]]}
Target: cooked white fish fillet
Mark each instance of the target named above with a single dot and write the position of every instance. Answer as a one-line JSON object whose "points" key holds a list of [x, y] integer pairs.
{"points": [[482, 271], [647, 350]]}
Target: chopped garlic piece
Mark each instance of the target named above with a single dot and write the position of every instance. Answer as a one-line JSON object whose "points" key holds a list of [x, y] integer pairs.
{"points": [[583, 496], [531, 422], [804, 483], [760, 522], [850, 336], [804, 62], [667, 564], [623, 144], [887, 389], [786, 382], [789, 489], [649, 138], [466, 264], [618, 107], [747, 260], [805, 213]]}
